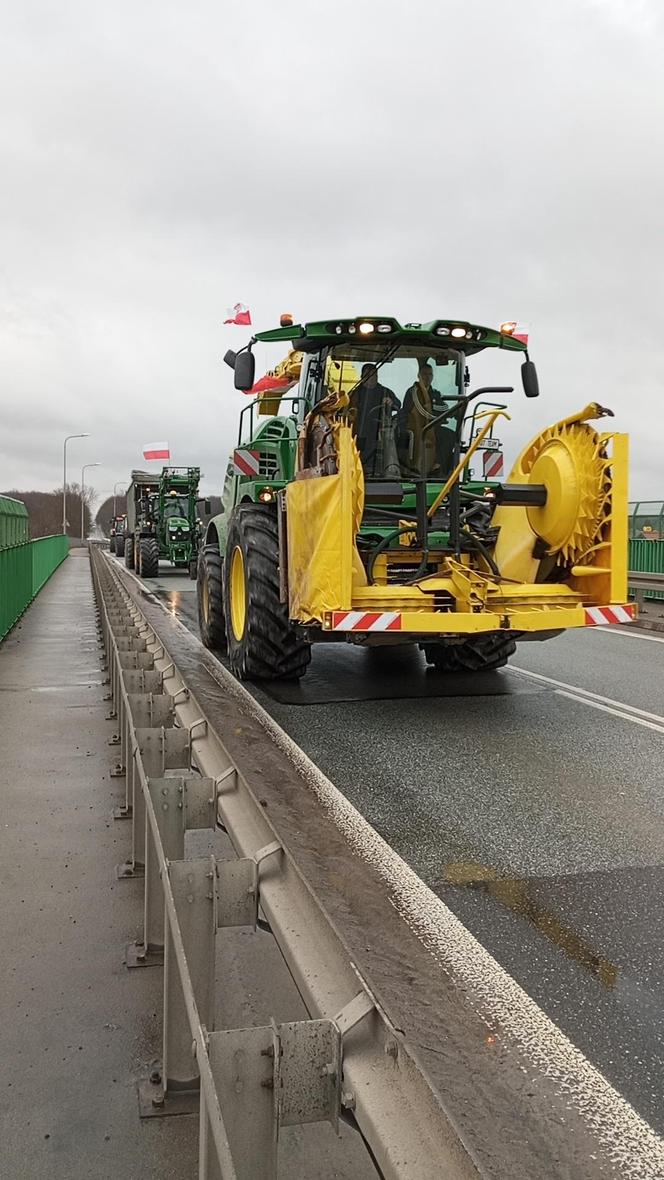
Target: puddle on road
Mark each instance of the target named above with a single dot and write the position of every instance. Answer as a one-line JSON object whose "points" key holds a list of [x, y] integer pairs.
{"points": [[518, 895]]}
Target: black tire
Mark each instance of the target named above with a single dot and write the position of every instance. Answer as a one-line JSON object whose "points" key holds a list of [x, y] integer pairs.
{"points": [[129, 553], [481, 653], [269, 647], [149, 557], [119, 546], [111, 545], [193, 569], [211, 623]]}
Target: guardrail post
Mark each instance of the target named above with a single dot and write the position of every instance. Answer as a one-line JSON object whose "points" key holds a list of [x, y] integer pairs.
{"points": [[272, 1077], [138, 682], [154, 751], [176, 805], [192, 884]]}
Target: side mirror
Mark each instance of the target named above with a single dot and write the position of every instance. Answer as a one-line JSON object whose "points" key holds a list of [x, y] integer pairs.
{"points": [[529, 378], [245, 370], [208, 507]]}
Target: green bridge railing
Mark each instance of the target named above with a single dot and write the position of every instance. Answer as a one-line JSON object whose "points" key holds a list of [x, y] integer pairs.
{"points": [[25, 566], [647, 557]]}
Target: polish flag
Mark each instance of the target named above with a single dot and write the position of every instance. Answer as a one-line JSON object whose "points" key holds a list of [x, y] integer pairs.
{"points": [[239, 314], [270, 384], [521, 333], [159, 450]]}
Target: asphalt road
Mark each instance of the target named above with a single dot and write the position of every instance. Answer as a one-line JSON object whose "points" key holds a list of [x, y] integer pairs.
{"points": [[532, 801]]}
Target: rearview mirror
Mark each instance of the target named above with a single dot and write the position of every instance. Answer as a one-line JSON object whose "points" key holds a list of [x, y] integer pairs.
{"points": [[208, 507], [245, 370], [229, 358], [529, 378]]}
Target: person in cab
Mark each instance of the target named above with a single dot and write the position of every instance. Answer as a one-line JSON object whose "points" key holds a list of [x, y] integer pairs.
{"points": [[372, 408], [426, 445]]}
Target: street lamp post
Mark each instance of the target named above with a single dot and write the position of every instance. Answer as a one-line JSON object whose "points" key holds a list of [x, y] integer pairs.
{"points": [[83, 471], [115, 492], [64, 479]]}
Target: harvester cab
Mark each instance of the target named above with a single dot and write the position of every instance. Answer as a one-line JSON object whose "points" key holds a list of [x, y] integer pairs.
{"points": [[357, 511]]}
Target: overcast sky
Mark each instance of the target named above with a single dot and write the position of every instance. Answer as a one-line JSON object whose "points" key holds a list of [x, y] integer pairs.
{"points": [[161, 161]]}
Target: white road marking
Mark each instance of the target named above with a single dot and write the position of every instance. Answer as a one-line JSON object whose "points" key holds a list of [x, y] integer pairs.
{"points": [[594, 699], [615, 712], [628, 633]]}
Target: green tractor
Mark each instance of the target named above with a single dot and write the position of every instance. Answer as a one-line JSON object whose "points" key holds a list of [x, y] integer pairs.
{"points": [[163, 520], [365, 503], [116, 536], [178, 524]]}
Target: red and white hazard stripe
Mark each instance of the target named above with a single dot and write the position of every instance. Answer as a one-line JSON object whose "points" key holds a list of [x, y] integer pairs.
{"points": [[493, 465], [599, 616], [246, 462], [361, 620]]}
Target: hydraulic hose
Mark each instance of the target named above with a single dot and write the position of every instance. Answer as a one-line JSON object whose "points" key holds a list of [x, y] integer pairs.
{"points": [[384, 544]]}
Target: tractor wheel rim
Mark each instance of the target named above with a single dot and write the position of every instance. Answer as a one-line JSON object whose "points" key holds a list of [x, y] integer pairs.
{"points": [[206, 601], [238, 594]]}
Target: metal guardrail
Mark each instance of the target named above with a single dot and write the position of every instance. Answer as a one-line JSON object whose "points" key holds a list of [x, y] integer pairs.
{"points": [[347, 1061], [24, 569], [645, 583]]}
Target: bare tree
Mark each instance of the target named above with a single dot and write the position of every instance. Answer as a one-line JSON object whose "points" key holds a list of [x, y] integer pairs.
{"points": [[104, 515], [45, 510]]}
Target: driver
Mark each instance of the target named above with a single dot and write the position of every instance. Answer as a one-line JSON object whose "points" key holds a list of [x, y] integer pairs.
{"points": [[429, 452], [372, 406], [172, 507]]}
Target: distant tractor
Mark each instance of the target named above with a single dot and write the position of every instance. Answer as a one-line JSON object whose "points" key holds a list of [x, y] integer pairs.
{"points": [[162, 520], [351, 512], [116, 536]]}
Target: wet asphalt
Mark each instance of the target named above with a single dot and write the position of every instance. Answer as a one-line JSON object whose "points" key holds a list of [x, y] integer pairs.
{"points": [[536, 813]]}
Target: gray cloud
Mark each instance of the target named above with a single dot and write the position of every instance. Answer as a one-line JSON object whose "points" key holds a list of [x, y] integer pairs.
{"points": [[163, 160]]}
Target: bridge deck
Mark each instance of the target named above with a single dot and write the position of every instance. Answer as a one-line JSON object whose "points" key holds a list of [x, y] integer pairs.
{"points": [[77, 1026]]}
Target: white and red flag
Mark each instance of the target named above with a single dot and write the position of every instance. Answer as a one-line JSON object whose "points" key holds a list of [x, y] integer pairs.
{"points": [[270, 384], [516, 329], [158, 450], [239, 314]]}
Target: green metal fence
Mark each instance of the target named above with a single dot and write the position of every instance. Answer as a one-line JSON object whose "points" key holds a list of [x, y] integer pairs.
{"points": [[25, 566], [13, 522], [647, 557]]}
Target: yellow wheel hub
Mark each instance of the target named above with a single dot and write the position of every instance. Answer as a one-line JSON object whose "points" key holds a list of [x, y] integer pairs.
{"points": [[570, 462], [238, 595], [205, 600]]}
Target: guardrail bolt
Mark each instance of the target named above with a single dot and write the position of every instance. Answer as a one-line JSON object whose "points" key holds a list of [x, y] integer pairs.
{"points": [[158, 1100], [348, 1100], [155, 1076]]}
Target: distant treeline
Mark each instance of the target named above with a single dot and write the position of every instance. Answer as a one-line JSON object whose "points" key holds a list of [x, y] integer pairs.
{"points": [[45, 510], [105, 512]]}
